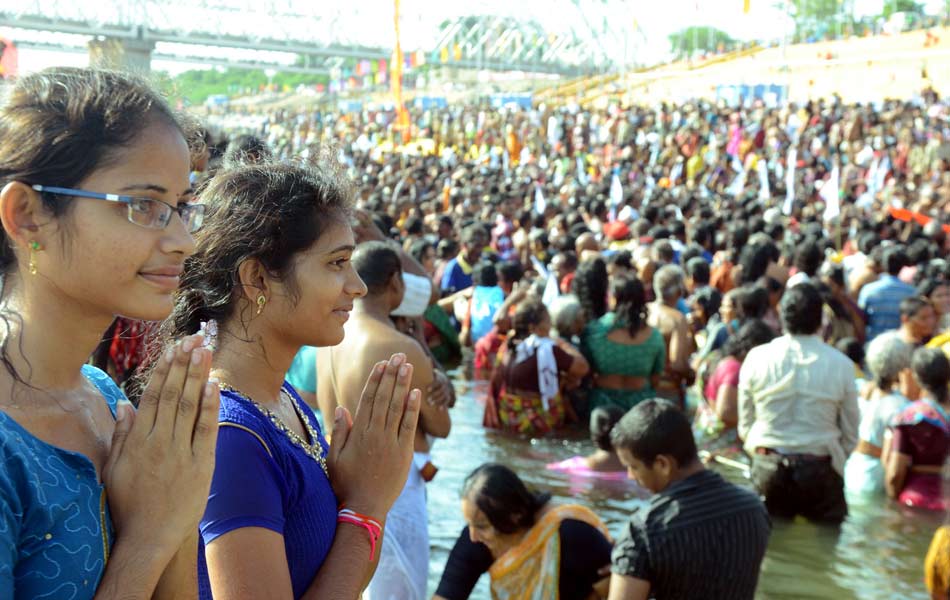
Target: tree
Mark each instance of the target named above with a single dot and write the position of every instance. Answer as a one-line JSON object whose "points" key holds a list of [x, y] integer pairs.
{"points": [[893, 6], [816, 18], [702, 39]]}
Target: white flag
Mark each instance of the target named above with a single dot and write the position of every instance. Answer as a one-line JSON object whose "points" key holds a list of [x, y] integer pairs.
{"points": [[763, 169], [539, 204], [737, 185], [581, 172], [616, 190], [829, 193], [790, 181]]}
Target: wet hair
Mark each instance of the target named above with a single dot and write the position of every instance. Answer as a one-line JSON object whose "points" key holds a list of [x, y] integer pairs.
{"points": [[270, 213], [503, 498], [698, 270], [912, 305], [754, 332], [851, 348], [752, 302], [602, 421], [808, 258], [622, 259], [529, 314], [246, 149], [418, 248], [590, 285], [709, 299], [754, 260], [447, 248], [511, 271], [894, 260], [800, 308], [886, 357], [932, 370], [376, 263], [631, 303], [654, 427], [834, 273], [930, 285], [484, 274], [59, 126]]}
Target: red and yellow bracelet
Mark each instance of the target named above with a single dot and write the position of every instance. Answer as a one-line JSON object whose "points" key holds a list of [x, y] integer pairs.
{"points": [[370, 524]]}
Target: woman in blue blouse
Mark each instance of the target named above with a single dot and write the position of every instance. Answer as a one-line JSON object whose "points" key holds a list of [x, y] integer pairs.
{"points": [[272, 271], [95, 501]]}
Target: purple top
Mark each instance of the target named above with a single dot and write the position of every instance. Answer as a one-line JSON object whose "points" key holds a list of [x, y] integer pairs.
{"points": [[262, 479]]}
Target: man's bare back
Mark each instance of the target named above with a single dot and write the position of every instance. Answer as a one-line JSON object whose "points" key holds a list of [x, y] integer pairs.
{"points": [[342, 369]]}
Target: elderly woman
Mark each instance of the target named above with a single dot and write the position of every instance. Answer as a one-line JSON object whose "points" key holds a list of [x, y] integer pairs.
{"points": [[888, 359], [568, 317]]}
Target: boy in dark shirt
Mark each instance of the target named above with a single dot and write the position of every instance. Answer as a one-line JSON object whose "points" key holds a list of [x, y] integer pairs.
{"points": [[699, 536]]}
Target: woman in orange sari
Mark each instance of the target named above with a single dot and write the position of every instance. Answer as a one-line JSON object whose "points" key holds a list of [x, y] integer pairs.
{"points": [[530, 547]]}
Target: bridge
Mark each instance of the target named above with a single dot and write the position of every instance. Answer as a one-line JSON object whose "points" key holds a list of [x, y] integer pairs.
{"points": [[312, 37]]}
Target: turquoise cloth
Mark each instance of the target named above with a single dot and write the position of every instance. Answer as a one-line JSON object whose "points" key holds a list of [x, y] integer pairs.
{"points": [[55, 528], [303, 371]]}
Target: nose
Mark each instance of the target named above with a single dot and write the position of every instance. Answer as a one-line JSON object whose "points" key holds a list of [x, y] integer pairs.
{"points": [[177, 239], [354, 285]]}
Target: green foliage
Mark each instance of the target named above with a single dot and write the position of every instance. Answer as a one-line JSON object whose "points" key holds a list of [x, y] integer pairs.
{"points": [[893, 6], [195, 86], [703, 39]]}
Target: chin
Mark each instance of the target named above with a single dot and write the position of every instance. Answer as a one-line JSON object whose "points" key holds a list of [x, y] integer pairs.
{"points": [[154, 308], [331, 338]]}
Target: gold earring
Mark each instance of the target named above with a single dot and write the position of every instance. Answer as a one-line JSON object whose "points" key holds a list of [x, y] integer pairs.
{"points": [[261, 301], [34, 247]]}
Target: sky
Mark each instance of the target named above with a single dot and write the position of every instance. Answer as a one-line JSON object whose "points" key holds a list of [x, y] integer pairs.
{"points": [[645, 23]]}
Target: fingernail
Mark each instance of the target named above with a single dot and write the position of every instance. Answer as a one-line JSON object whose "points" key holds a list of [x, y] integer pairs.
{"points": [[187, 344], [170, 354], [209, 388], [396, 360], [338, 413], [380, 367], [196, 357], [403, 371]]}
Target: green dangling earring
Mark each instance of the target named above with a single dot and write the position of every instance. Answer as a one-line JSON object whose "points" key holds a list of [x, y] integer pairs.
{"points": [[34, 248]]}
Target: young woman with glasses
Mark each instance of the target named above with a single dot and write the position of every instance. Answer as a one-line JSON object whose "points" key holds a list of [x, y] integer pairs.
{"points": [[96, 500]]}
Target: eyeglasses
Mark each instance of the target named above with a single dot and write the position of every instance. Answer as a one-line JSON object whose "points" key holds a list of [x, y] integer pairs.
{"points": [[146, 212]]}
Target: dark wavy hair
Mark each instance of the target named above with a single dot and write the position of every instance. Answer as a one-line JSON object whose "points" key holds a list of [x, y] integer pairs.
{"points": [[753, 332], [59, 126], [529, 314], [631, 302], [503, 498], [590, 285], [270, 212]]}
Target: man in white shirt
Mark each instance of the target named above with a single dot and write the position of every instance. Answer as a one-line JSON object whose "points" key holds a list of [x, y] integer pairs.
{"points": [[798, 414]]}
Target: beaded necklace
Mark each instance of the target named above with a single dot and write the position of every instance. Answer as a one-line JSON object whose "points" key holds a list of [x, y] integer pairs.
{"points": [[313, 450]]}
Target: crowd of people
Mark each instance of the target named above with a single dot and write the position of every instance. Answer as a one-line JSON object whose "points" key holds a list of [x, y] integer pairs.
{"points": [[756, 284]]}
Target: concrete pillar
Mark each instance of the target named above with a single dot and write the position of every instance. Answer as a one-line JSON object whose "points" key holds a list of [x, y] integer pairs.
{"points": [[122, 54]]}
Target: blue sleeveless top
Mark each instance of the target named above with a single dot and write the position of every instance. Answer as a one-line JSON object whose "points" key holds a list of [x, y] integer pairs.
{"points": [[485, 302], [55, 529], [262, 479]]}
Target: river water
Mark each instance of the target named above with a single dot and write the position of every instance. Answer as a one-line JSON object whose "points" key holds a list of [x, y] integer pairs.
{"points": [[878, 553]]}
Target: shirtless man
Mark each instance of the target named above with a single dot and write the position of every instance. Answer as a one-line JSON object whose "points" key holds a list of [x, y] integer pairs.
{"points": [[669, 286], [404, 560]]}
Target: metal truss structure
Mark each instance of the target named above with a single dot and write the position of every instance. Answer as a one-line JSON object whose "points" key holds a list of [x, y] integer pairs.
{"points": [[318, 37]]}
